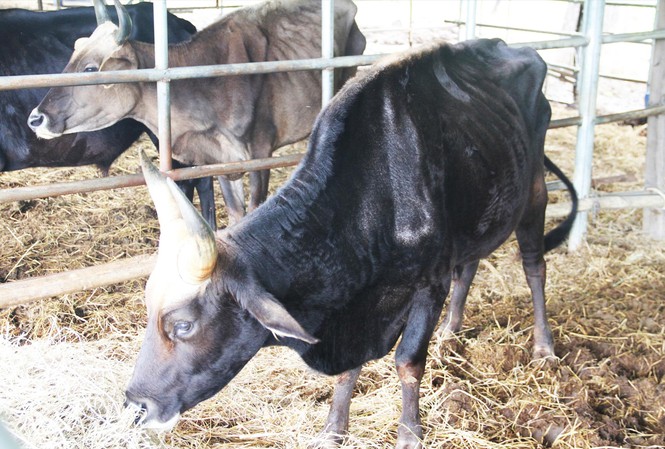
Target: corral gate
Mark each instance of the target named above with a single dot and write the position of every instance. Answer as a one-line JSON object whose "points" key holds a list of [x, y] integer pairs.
{"points": [[589, 43]]}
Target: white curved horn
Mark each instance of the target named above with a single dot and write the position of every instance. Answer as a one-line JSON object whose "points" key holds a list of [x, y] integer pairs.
{"points": [[197, 251]]}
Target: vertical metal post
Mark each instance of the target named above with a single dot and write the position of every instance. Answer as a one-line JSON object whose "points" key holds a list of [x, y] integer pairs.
{"points": [[163, 87], [470, 29], [410, 23], [327, 49], [588, 87], [654, 174]]}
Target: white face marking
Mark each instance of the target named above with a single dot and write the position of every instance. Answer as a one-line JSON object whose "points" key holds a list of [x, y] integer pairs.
{"points": [[42, 131], [159, 426]]}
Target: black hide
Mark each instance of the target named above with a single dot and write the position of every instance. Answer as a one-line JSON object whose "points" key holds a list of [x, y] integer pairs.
{"points": [[416, 167], [42, 42]]}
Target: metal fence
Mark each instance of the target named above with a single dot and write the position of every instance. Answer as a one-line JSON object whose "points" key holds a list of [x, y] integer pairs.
{"points": [[589, 41]]}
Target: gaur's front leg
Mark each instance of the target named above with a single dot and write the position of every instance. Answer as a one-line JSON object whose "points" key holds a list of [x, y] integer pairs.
{"points": [[337, 424], [410, 360]]}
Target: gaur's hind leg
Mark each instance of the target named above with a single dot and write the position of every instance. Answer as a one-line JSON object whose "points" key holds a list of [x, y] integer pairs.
{"points": [[204, 187], [234, 198], [337, 424], [462, 277], [410, 360], [258, 188], [530, 236]]}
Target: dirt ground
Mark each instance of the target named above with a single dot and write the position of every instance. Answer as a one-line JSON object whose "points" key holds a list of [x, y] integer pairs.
{"points": [[66, 360]]}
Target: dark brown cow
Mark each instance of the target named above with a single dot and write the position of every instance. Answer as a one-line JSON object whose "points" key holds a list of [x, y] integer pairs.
{"points": [[416, 169], [215, 119]]}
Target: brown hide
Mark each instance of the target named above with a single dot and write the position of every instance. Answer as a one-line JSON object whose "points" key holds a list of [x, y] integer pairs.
{"points": [[214, 119]]}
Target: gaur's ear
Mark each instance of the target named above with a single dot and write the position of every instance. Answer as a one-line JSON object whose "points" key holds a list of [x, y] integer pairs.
{"points": [[271, 314], [123, 58]]}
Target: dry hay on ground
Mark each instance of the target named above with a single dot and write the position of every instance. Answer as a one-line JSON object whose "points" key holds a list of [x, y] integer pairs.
{"points": [[67, 360]]}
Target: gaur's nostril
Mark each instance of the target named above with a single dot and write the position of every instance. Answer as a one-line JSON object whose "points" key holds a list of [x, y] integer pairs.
{"points": [[35, 120]]}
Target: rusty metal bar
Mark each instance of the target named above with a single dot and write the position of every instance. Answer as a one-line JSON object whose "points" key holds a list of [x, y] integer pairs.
{"points": [[115, 182], [22, 291], [609, 118], [25, 290], [33, 192]]}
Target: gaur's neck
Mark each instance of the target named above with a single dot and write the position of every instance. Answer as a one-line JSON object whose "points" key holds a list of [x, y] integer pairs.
{"points": [[187, 114], [299, 236]]}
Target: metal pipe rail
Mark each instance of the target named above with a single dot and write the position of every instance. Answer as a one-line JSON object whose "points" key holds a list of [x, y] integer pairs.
{"points": [[115, 182], [526, 30], [11, 290], [178, 73], [25, 290]]}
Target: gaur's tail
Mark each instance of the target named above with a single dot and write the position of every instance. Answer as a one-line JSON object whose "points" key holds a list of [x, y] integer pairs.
{"points": [[559, 234]]}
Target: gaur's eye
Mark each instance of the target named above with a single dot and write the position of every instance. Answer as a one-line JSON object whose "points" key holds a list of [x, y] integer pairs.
{"points": [[91, 68], [182, 328]]}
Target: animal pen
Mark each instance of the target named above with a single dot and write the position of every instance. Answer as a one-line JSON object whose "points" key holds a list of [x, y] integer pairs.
{"points": [[589, 41]]}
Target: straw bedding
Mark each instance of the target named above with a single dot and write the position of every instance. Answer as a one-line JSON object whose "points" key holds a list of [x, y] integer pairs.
{"points": [[66, 360]]}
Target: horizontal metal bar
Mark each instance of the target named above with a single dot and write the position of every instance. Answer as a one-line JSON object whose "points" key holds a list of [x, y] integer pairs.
{"points": [[628, 115], [621, 78], [565, 122], [575, 41], [609, 118], [23, 291], [115, 182], [178, 73], [570, 72], [14, 293], [623, 200], [633, 37], [502, 27]]}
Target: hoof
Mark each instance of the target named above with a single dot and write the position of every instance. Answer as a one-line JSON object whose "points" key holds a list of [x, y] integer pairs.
{"points": [[447, 343], [545, 358], [411, 442], [407, 439], [326, 440], [543, 352]]}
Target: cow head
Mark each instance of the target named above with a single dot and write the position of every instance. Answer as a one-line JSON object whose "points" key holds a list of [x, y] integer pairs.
{"points": [[72, 109], [207, 316]]}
